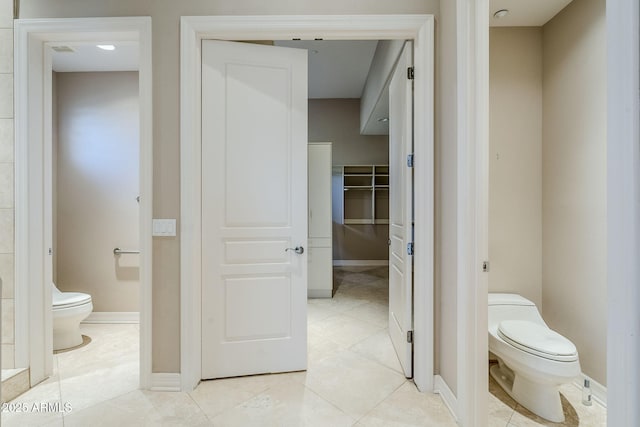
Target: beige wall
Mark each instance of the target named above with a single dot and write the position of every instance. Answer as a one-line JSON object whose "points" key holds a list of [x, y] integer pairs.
{"points": [[338, 121], [574, 277], [6, 182], [446, 205], [547, 173], [97, 185], [166, 24], [515, 168]]}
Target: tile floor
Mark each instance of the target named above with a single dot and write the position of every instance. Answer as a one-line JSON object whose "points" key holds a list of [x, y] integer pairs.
{"points": [[353, 379]]}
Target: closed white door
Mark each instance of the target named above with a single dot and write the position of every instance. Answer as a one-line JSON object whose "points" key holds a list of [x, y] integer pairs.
{"points": [[254, 208], [401, 211]]}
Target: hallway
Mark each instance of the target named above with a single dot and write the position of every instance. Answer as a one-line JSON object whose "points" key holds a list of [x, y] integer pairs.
{"points": [[353, 379]]}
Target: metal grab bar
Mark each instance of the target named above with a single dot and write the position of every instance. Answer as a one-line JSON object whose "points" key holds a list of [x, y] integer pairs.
{"points": [[118, 251]]}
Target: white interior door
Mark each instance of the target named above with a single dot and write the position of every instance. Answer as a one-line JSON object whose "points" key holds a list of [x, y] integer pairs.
{"points": [[401, 211], [254, 207]]}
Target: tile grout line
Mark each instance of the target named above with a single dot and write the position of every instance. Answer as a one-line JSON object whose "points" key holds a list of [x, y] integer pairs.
{"points": [[199, 407], [253, 396], [510, 417], [382, 401], [373, 360], [330, 403], [365, 321], [57, 361], [349, 348], [57, 372], [102, 402]]}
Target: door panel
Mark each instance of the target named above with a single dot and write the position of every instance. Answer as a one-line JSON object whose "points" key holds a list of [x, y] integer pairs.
{"points": [[401, 210], [259, 317], [254, 207], [259, 148]]}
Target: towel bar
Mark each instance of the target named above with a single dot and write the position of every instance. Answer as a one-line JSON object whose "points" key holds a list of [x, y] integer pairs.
{"points": [[118, 251]]}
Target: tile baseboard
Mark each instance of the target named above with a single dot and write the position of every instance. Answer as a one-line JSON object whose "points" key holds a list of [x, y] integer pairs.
{"points": [[319, 293], [165, 381], [598, 391], [113, 317], [442, 388], [15, 384]]}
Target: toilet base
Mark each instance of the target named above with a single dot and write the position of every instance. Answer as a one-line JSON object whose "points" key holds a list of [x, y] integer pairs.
{"points": [[66, 338], [66, 325], [541, 399]]}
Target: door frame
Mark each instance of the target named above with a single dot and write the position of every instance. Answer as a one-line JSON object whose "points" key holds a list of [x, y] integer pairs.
{"points": [[419, 28], [623, 211], [33, 123], [472, 84]]}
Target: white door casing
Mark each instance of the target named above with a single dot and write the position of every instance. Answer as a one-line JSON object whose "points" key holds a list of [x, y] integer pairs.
{"points": [[401, 210], [33, 343], [254, 207], [194, 29]]}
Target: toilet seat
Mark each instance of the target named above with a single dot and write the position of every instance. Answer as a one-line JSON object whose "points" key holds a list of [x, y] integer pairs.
{"points": [[537, 340], [69, 299]]}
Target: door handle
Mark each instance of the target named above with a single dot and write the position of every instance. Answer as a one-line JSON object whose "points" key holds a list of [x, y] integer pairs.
{"points": [[298, 249]]}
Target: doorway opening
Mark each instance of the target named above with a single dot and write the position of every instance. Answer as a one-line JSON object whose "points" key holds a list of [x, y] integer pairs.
{"points": [[196, 29], [529, 180], [35, 149], [349, 196]]}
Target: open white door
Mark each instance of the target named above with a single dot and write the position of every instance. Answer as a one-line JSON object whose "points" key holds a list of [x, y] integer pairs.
{"points": [[401, 210], [254, 207]]}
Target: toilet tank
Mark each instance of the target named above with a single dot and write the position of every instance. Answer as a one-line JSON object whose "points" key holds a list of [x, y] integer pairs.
{"points": [[511, 307]]}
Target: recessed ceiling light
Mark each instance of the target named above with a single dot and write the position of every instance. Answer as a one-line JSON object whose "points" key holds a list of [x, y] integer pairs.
{"points": [[106, 46], [501, 13], [383, 119]]}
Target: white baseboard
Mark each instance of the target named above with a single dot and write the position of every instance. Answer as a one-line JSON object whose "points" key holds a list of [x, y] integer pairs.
{"points": [[359, 262], [165, 382], [113, 317], [598, 391], [319, 293], [449, 399]]}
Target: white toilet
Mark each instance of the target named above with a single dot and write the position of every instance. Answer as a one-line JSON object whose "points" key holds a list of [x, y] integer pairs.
{"points": [[533, 360], [69, 309]]}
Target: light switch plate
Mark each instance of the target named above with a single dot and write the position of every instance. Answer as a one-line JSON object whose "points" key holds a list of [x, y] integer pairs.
{"points": [[164, 227]]}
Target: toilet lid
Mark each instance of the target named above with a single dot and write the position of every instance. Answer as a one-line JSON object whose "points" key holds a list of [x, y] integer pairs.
{"points": [[538, 340], [69, 299]]}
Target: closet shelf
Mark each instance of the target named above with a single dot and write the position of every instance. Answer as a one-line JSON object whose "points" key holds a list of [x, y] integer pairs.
{"points": [[366, 194]]}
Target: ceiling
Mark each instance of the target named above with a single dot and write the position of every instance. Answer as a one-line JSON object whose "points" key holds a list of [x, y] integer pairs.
{"points": [[525, 13], [88, 57], [337, 68]]}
